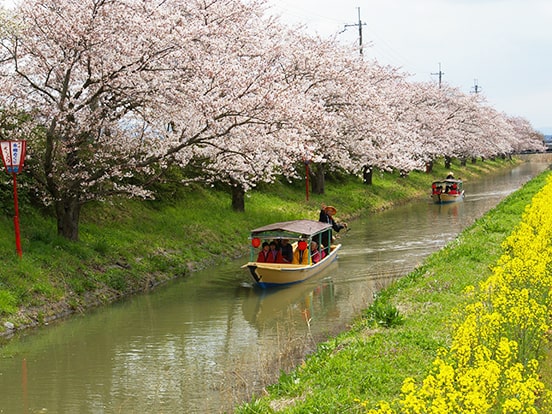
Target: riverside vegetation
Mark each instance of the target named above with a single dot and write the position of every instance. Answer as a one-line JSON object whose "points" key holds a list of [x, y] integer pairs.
{"points": [[466, 332], [131, 246]]}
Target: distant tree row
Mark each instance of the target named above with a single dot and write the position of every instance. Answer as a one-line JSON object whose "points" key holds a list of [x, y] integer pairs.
{"points": [[109, 94]]}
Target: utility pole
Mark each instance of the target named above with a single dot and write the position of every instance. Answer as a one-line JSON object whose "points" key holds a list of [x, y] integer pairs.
{"points": [[359, 24], [476, 87], [440, 75]]}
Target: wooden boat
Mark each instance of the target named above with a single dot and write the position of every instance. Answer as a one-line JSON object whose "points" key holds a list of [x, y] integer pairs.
{"points": [[447, 191], [300, 234]]}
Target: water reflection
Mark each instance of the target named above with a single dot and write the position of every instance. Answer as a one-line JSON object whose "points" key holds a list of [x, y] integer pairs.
{"points": [[202, 344], [263, 309]]}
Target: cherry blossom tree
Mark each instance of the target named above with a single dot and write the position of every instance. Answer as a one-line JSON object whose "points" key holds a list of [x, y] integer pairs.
{"points": [[124, 88], [416, 117], [375, 139], [85, 70], [114, 92], [340, 105], [261, 149], [526, 138]]}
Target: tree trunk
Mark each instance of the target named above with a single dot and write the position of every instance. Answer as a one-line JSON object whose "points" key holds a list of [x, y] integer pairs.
{"points": [[68, 215], [429, 167], [367, 175], [318, 179], [463, 161], [238, 198], [448, 161]]}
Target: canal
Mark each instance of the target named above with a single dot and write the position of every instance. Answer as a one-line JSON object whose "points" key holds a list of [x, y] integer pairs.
{"points": [[203, 344]]}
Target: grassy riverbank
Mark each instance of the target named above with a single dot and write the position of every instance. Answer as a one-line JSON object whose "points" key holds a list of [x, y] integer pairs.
{"points": [[353, 371], [131, 246]]}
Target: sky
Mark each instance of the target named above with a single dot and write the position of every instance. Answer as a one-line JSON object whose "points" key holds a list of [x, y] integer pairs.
{"points": [[501, 48]]}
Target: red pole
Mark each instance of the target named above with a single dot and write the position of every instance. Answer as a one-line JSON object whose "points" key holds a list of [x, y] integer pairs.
{"points": [[16, 218]]}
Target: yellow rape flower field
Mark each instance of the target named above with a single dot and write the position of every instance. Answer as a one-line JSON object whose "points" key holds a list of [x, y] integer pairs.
{"points": [[492, 364], [471, 338]]}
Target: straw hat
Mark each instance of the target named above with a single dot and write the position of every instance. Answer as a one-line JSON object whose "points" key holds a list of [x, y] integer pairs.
{"points": [[331, 210]]}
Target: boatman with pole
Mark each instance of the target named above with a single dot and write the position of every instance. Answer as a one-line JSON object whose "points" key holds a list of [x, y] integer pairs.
{"points": [[326, 216]]}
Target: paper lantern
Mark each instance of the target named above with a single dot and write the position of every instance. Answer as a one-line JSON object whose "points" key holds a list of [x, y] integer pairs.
{"points": [[256, 242], [302, 245], [13, 155]]}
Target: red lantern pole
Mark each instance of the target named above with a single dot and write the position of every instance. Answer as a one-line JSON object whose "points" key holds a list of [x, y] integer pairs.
{"points": [[16, 218], [13, 156]]}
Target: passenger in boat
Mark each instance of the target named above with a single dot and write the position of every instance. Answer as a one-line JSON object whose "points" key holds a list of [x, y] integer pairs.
{"points": [[263, 254], [274, 255], [316, 255], [436, 190], [450, 176], [454, 188], [301, 253], [286, 250], [326, 216]]}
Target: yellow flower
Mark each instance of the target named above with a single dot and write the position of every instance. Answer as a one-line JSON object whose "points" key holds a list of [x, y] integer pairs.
{"points": [[491, 363]]}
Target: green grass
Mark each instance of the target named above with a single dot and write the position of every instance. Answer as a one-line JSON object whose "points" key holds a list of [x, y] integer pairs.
{"points": [[127, 246], [369, 362]]}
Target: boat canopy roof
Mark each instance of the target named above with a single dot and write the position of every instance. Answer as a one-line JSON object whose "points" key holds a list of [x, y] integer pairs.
{"points": [[291, 229], [447, 181]]}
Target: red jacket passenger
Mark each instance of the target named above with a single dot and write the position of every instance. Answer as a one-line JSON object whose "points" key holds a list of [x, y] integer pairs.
{"points": [[264, 253], [274, 255]]}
